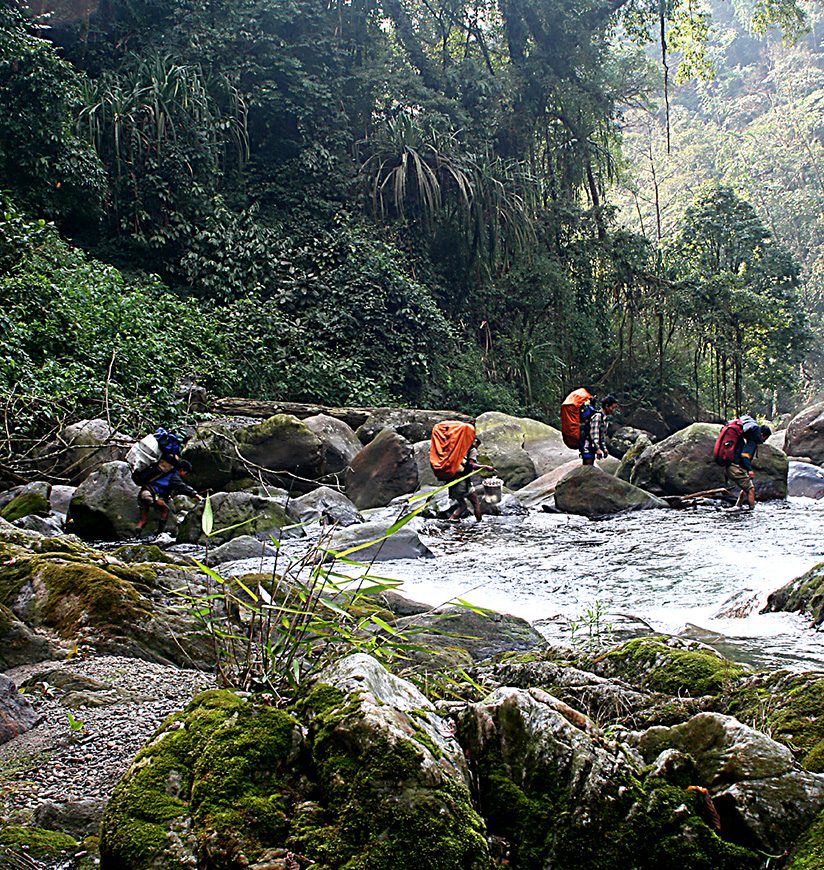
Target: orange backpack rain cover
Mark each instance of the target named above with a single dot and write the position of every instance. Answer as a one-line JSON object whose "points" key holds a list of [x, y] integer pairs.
{"points": [[571, 417], [451, 441]]}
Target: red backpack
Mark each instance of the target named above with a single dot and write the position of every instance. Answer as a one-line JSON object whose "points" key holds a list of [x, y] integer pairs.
{"points": [[574, 411], [731, 433]]}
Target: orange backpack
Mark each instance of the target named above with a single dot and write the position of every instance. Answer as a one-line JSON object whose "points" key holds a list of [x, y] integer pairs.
{"points": [[571, 417], [450, 443]]}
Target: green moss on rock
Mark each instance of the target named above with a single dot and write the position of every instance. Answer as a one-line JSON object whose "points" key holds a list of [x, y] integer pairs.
{"points": [[37, 843], [809, 853], [25, 504], [651, 664]]}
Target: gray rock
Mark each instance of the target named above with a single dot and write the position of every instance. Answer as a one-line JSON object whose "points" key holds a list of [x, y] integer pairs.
{"points": [[413, 424], [591, 492], [805, 434], [756, 784], [805, 480], [49, 527], [23, 501], [78, 818], [777, 439], [648, 420], [426, 477], [683, 464], [542, 490], [16, 713], [623, 438], [327, 506], [804, 594], [383, 470], [636, 449], [83, 448], [104, 507], [403, 544], [242, 547], [478, 636], [60, 498], [340, 444]]}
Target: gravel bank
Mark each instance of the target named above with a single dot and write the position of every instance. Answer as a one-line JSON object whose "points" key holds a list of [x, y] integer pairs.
{"points": [[56, 763]]}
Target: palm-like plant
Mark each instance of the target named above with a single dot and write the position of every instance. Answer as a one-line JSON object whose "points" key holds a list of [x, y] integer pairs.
{"points": [[414, 172]]}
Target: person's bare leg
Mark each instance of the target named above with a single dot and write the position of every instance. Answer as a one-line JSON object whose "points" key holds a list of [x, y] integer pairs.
{"points": [[751, 498], [476, 506]]}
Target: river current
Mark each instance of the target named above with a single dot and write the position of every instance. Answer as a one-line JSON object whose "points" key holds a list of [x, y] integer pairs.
{"points": [[678, 572]]}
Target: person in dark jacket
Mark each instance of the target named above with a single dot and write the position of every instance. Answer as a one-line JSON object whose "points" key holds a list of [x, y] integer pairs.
{"points": [[740, 471], [155, 492]]}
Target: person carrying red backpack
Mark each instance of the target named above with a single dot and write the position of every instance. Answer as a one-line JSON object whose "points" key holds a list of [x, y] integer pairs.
{"points": [[736, 448]]}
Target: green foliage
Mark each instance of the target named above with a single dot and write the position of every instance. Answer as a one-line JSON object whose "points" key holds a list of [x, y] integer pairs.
{"points": [[52, 171]]}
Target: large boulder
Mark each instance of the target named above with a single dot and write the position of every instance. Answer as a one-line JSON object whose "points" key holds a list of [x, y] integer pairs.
{"points": [[591, 492], [381, 547], [340, 444], [235, 514], [543, 444], [502, 445], [777, 440], [758, 789], [805, 434], [680, 409], [104, 507], [282, 448], [383, 470], [82, 448], [363, 773], [327, 506], [414, 424], [684, 464], [804, 594], [805, 480], [16, 713]]}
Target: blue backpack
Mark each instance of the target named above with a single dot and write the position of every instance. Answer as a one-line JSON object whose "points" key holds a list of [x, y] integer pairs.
{"points": [[169, 444]]}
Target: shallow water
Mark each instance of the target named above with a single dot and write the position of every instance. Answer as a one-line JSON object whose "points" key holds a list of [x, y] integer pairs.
{"points": [[666, 570]]}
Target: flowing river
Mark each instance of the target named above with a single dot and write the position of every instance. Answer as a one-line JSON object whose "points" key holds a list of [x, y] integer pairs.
{"points": [[674, 570]]}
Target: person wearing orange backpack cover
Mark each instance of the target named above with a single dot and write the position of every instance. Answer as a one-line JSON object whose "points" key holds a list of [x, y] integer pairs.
{"points": [[453, 454]]}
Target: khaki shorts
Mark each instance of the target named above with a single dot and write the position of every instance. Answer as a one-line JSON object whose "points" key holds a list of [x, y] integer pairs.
{"points": [[740, 477]]}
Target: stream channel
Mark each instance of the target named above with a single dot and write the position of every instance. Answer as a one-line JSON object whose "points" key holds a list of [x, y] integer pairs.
{"points": [[678, 572]]}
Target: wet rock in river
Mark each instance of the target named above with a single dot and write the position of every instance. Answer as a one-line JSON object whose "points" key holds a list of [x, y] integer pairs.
{"points": [[804, 594], [591, 492]]}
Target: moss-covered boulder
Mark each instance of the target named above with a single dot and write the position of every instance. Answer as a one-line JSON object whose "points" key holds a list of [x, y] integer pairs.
{"points": [[383, 470], [80, 596], [282, 448], [671, 665], [359, 775], [683, 464], [592, 492], [459, 635], [543, 444], [502, 445], [804, 594], [631, 456], [235, 514], [326, 506], [16, 713], [555, 793], [805, 434], [541, 491], [32, 498], [763, 797]]}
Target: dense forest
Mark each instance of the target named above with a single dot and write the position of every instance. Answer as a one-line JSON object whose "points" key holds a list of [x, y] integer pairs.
{"points": [[475, 204]]}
